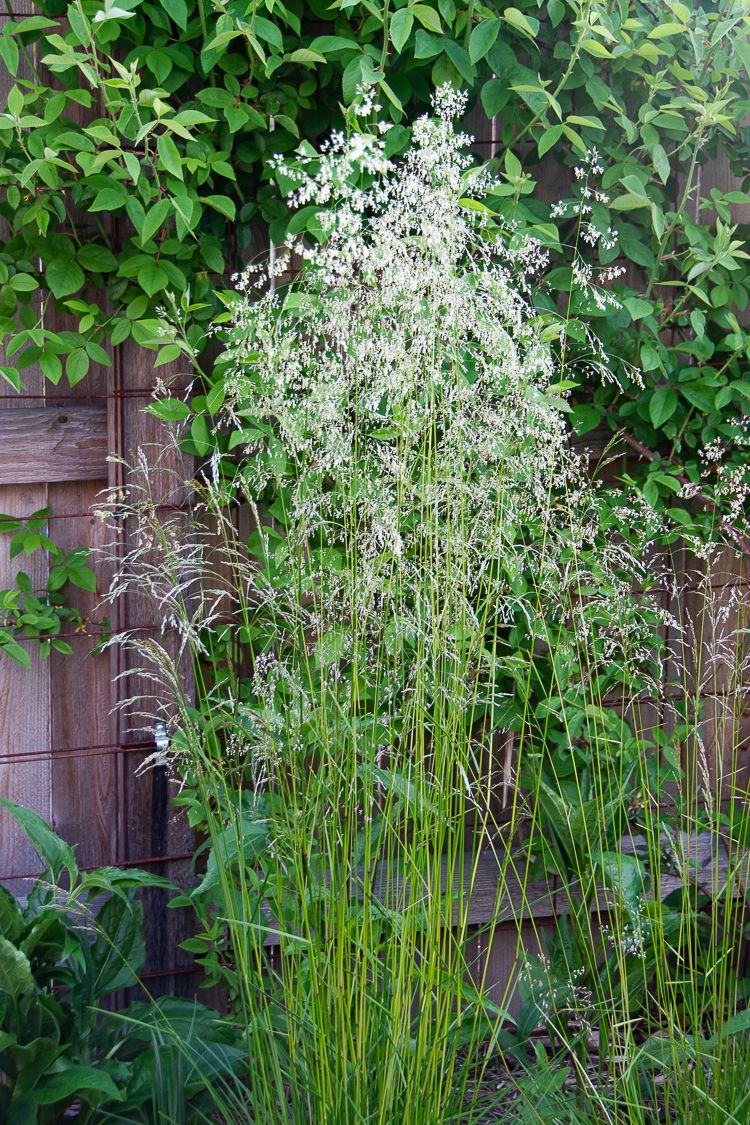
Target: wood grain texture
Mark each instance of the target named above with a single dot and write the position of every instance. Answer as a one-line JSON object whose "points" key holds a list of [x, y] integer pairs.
{"points": [[501, 896], [24, 695], [84, 790], [148, 824], [54, 453], [496, 956], [24, 709], [46, 444]]}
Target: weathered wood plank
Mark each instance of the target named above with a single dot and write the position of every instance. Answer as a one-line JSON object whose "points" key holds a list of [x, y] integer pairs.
{"points": [[42, 444], [148, 824], [84, 790], [24, 694], [495, 959], [24, 708], [499, 894]]}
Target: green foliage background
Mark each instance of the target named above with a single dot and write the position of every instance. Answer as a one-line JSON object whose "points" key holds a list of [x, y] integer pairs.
{"points": [[137, 154]]}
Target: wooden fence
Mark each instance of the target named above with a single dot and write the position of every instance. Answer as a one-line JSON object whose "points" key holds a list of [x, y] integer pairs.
{"points": [[65, 750]]}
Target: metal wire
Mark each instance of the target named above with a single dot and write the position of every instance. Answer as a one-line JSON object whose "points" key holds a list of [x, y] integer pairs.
{"points": [[93, 751], [53, 398], [149, 860], [92, 515]]}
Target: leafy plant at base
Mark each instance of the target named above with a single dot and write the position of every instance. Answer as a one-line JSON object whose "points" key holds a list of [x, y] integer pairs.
{"points": [[64, 951]]}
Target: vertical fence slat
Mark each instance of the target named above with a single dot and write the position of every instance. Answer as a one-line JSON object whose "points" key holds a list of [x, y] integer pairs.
{"points": [[24, 694], [84, 792], [149, 823]]}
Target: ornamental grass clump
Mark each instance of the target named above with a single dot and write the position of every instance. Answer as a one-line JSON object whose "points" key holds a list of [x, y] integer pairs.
{"points": [[426, 557]]}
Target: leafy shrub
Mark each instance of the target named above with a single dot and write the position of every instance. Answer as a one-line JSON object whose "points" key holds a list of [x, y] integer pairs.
{"points": [[62, 953], [197, 105]]}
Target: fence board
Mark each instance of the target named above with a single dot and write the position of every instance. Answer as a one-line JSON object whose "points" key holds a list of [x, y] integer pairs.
{"points": [[24, 707], [49, 443], [24, 697], [84, 791], [149, 826]]}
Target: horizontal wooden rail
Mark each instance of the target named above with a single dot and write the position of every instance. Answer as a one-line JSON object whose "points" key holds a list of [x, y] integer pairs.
{"points": [[44, 444], [499, 895]]}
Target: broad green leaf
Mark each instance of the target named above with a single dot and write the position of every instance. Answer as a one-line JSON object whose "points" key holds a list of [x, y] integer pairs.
{"points": [[9, 54], [51, 366], [23, 283], [55, 852], [169, 155], [638, 308], [283, 121], [633, 185], [585, 418], [77, 366], [664, 30], [201, 436], [661, 162], [333, 44], [598, 90], [152, 278], [108, 199], [63, 277], [96, 259], [595, 48], [629, 202], [549, 138], [83, 577], [15, 102], [428, 17], [155, 219], [650, 358], [97, 353], [664, 1051], [15, 970], [698, 322], [738, 1024], [495, 94], [626, 875], [460, 59], [269, 32], [527, 25], [119, 951], [402, 22], [306, 57], [575, 139], [167, 354], [742, 47], [556, 11], [169, 410], [69, 1080], [662, 405], [222, 204], [244, 840], [11, 919], [585, 122], [699, 395], [482, 38], [178, 11], [10, 646], [657, 219]]}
